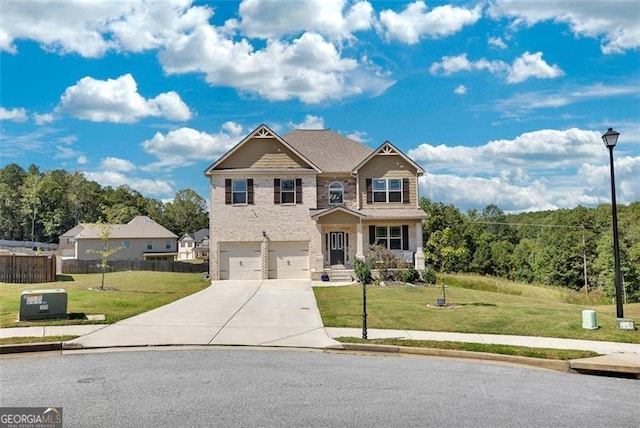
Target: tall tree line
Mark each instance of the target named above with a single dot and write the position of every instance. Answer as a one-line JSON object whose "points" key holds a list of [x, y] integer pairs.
{"points": [[566, 247], [41, 206]]}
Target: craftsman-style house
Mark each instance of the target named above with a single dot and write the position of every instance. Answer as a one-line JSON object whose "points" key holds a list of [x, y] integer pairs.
{"points": [[309, 203]]}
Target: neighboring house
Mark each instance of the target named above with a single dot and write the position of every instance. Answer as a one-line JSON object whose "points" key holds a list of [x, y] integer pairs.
{"points": [[194, 245], [310, 202], [140, 239]]}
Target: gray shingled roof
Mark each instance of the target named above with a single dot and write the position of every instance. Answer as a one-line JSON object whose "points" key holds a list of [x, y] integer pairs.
{"points": [[327, 149], [139, 227]]}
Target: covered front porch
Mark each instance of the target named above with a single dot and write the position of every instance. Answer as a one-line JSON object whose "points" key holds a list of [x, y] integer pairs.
{"points": [[347, 235]]}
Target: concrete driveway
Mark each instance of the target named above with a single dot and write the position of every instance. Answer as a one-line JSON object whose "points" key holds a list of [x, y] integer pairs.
{"points": [[259, 313]]}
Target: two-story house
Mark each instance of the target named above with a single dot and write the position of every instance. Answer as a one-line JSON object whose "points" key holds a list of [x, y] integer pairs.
{"points": [[194, 245], [309, 202]]}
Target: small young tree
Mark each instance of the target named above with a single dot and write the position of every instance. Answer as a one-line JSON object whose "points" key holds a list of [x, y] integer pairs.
{"points": [[106, 251], [444, 252]]}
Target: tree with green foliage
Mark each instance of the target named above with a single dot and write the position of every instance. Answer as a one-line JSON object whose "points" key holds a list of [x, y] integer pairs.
{"points": [[106, 252]]}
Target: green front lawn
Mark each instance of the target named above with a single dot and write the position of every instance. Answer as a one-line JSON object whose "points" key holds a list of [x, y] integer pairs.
{"points": [[531, 313], [135, 293]]}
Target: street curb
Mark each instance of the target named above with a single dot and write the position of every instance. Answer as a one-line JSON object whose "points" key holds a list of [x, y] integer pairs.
{"points": [[30, 347], [557, 365]]}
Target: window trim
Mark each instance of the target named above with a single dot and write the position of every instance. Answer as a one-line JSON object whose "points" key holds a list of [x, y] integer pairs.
{"points": [[387, 238], [340, 190], [291, 191], [244, 192], [387, 190]]}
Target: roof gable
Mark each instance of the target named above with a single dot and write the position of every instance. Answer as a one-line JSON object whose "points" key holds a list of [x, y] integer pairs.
{"points": [[388, 149], [262, 149]]}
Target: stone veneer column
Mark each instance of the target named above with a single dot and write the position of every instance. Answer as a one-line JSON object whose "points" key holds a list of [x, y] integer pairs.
{"points": [[419, 251]]}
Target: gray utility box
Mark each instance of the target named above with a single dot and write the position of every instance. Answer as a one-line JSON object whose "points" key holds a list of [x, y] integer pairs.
{"points": [[43, 304]]}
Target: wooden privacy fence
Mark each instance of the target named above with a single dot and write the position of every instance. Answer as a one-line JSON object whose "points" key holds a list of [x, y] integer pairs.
{"points": [[27, 269], [72, 266]]}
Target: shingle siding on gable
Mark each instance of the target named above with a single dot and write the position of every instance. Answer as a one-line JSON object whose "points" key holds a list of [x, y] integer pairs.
{"points": [[387, 167], [263, 153]]}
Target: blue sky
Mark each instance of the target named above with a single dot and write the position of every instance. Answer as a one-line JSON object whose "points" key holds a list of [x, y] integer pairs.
{"points": [[502, 102]]}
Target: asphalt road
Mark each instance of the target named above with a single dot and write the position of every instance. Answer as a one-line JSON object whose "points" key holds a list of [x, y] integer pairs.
{"points": [[226, 387]]}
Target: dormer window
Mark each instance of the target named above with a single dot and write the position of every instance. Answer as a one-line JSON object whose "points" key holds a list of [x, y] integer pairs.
{"points": [[336, 193]]}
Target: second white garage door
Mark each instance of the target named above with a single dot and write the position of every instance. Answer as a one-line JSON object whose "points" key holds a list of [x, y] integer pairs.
{"points": [[240, 260], [289, 260]]}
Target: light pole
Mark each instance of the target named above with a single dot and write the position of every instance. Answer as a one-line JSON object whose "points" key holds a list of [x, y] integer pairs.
{"points": [[610, 139]]}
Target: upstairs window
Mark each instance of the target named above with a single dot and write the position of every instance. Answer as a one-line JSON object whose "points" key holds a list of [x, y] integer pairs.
{"points": [[287, 191], [385, 190], [336, 193], [126, 244], [167, 245], [238, 191], [149, 245]]}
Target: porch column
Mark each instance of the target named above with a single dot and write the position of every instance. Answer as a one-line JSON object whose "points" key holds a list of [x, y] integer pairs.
{"points": [[419, 251], [359, 246]]}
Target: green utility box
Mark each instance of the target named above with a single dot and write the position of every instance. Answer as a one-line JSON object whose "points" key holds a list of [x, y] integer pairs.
{"points": [[43, 304], [589, 320]]}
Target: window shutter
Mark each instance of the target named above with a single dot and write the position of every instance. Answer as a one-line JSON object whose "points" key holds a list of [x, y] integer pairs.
{"points": [[405, 236], [276, 190], [298, 190], [369, 191], [227, 191], [372, 235], [405, 190], [250, 191]]}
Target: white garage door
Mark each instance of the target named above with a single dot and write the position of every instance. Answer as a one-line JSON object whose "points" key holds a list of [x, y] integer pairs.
{"points": [[240, 260], [289, 260]]}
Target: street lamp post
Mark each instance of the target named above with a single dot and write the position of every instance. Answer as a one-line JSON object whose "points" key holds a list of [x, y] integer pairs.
{"points": [[610, 139]]}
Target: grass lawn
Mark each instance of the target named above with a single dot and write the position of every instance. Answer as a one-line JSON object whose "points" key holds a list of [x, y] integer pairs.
{"points": [[510, 308], [521, 351], [137, 292]]}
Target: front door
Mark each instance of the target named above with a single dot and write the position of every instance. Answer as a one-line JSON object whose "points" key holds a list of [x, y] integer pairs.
{"points": [[336, 248]]}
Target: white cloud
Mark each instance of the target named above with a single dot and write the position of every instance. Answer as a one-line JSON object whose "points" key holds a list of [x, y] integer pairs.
{"points": [[532, 65], [454, 64], [497, 42], [117, 164], [82, 160], [184, 145], [90, 29], [524, 67], [543, 169], [416, 22], [523, 103], [43, 119], [308, 68], [617, 22], [460, 90], [118, 101], [145, 186], [15, 114], [310, 122], [272, 20]]}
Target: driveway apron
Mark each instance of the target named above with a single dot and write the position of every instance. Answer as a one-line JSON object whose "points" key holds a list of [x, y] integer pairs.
{"points": [[241, 312]]}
